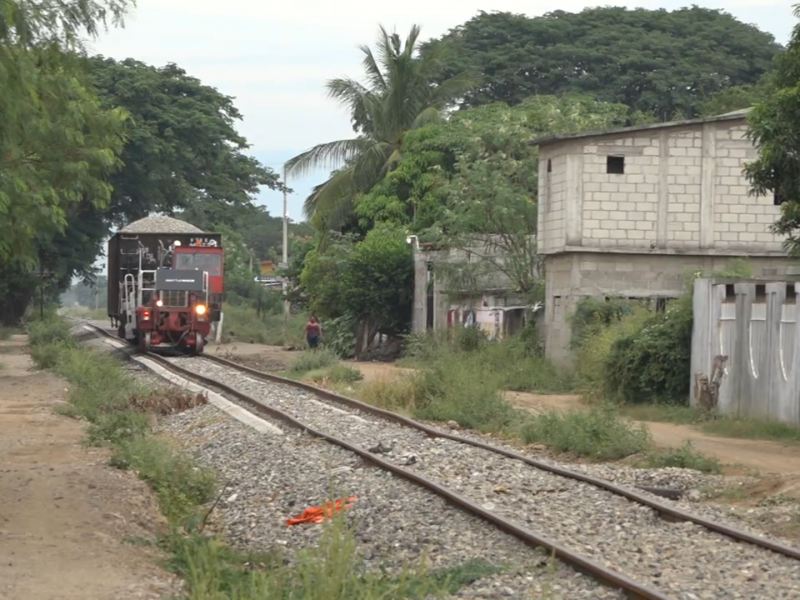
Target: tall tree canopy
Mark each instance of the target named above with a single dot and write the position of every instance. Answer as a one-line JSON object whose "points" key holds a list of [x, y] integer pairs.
{"points": [[398, 95], [661, 62], [774, 125], [182, 145], [58, 144]]}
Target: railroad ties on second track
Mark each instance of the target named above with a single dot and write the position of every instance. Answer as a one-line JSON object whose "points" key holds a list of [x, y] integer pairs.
{"points": [[592, 526]]}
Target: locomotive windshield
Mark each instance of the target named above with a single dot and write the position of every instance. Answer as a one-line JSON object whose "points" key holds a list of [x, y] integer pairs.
{"points": [[202, 261]]}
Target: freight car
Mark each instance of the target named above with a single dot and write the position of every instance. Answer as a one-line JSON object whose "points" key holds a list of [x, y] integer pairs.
{"points": [[165, 284]]}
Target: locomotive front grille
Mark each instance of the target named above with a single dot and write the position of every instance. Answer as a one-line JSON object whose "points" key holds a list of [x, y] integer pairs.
{"points": [[174, 299]]}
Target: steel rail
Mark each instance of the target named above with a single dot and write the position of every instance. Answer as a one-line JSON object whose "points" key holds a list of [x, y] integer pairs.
{"points": [[664, 510], [587, 566]]}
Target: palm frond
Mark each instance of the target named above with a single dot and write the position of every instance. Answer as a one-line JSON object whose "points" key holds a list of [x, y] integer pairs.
{"points": [[346, 91], [454, 88], [374, 76], [371, 165], [330, 155], [331, 202]]}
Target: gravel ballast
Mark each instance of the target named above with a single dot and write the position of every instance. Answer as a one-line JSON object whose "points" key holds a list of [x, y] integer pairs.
{"points": [[396, 524], [681, 559], [273, 477]]}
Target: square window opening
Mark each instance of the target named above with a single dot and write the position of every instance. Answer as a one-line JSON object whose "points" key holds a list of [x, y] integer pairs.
{"points": [[615, 165], [730, 293]]}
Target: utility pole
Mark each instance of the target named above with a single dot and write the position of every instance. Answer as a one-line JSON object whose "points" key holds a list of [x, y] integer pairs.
{"points": [[286, 307]]}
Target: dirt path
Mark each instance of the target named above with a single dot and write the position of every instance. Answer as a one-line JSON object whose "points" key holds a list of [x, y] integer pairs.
{"points": [[66, 518], [764, 455]]}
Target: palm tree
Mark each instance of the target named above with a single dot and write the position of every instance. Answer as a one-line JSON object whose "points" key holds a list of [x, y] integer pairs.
{"points": [[399, 95]]}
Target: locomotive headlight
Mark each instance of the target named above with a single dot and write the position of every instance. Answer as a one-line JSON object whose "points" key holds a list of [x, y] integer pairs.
{"points": [[200, 309], [159, 303]]}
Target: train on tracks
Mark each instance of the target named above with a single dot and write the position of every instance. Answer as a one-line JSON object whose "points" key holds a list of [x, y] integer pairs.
{"points": [[165, 284]]}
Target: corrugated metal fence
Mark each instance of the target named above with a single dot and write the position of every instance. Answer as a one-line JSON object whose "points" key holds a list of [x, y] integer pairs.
{"points": [[753, 323]]}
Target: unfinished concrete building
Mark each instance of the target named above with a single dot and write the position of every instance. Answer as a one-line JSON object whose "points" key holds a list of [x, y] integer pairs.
{"points": [[487, 301], [629, 212]]}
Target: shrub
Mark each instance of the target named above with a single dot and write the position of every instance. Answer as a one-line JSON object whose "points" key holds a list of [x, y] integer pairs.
{"points": [[312, 360], [591, 313], [591, 373], [243, 324], [522, 371], [340, 337], [653, 363], [599, 433], [423, 347], [48, 331], [469, 339], [396, 393], [343, 374], [462, 388], [46, 356], [685, 457]]}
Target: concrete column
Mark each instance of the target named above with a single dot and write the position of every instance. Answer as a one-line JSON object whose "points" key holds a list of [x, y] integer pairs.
{"points": [[574, 199], [663, 189], [439, 304], [708, 174], [419, 316]]}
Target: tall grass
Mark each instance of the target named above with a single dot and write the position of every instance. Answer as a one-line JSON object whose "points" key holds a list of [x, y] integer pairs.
{"points": [[462, 388], [104, 395], [598, 433], [591, 376], [330, 571]]}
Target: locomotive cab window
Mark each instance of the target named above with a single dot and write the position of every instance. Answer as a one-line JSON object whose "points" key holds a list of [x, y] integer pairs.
{"points": [[202, 261]]}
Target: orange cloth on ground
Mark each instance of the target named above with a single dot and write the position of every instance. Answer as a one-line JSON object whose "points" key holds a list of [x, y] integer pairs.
{"points": [[316, 514]]}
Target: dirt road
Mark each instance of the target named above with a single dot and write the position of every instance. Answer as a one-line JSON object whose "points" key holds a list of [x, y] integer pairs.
{"points": [[68, 522]]}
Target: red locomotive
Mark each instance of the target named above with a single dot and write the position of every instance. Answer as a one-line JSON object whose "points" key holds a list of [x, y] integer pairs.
{"points": [[165, 284]]}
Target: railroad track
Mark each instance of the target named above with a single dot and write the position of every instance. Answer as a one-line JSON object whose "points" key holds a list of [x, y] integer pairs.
{"points": [[644, 547]]}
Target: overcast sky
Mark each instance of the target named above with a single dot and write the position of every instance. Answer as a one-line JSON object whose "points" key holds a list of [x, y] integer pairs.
{"points": [[275, 59]]}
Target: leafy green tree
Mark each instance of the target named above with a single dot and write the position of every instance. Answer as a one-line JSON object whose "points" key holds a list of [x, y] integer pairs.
{"points": [[398, 96], [476, 176], [378, 282], [665, 63], [182, 146], [323, 273], [737, 97], [774, 126], [58, 146]]}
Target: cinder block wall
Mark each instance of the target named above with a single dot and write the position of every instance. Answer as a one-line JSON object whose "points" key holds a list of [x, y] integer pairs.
{"points": [[683, 188]]}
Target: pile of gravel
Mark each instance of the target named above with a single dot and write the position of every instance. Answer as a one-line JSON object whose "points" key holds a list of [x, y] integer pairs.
{"points": [[160, 224]]}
